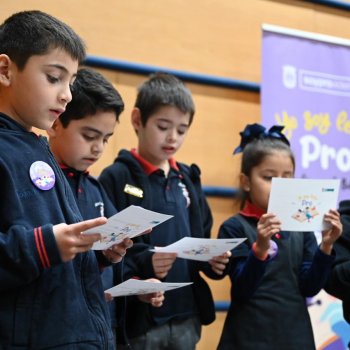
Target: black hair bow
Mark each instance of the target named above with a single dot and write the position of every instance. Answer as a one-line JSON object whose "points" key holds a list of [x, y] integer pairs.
{"points": [[257, 131]]}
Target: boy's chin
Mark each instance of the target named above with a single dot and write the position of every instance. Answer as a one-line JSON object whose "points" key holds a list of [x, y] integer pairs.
{"points": [[83, 169], [78, 167]]}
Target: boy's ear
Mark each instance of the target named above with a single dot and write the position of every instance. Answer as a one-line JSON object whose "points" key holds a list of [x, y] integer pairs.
{"points": [[244, 182], [136, 118], [5, 72]]}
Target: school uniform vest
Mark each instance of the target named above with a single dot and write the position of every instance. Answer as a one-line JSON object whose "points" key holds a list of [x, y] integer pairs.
{"points": [[249, 325]]}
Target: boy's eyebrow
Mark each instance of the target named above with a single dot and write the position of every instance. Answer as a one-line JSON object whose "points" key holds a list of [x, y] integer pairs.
{"points": [[60, 67], [89, 128], [170, 122]]}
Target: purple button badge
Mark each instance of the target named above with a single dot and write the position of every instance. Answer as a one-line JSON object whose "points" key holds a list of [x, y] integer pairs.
{"points": [[42, 175]]}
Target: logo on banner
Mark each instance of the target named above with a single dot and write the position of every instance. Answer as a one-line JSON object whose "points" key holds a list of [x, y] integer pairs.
{"points": [[289, 76]]}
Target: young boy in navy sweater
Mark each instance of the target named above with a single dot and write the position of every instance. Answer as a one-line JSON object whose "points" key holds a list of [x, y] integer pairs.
{"points": [[51, 294], [77, 140], [150, 177]]}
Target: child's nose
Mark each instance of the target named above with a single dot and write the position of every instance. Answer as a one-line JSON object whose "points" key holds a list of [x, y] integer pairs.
{"points": [[66, 94], [97, 147], [172, 135]]}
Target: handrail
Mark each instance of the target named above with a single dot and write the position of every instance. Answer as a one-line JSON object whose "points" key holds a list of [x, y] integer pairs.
{"points": [[144, 69], [217, 191], [342, 5], [222, 306]]}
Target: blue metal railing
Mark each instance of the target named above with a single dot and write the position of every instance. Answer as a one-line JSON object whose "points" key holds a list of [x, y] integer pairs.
{"points": [[341, 5], [144, 69], [216, 191], [222, 306]]}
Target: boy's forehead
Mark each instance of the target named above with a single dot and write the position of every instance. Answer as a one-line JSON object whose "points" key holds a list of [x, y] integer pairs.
{"points": [[57, 58], [101, 122], [171, 114]]}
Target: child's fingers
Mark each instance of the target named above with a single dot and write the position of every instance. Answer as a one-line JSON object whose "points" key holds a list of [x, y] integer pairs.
{"points": [[221, 259], [108, 297], [268, 221], [269, 229], [217, 267], [157, 301], [82, 226], [334, 212], [332, 215], [268, 217], [83, 240], [164, 258], [153, 280], [117, 252], [128, 243], [162, 263]]}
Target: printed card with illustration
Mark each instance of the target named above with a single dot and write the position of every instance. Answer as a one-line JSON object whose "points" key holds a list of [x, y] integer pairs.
{"points": [[300, 204], [129, 222], [201, 249], [138, 287]]}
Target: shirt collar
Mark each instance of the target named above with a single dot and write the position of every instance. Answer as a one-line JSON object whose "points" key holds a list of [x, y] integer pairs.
{"points": [[148, 167], [252, 211], [71, 171]]}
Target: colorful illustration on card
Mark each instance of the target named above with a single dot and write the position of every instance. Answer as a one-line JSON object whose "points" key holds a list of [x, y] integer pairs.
{"points": [[201, 250], [307, 208]]}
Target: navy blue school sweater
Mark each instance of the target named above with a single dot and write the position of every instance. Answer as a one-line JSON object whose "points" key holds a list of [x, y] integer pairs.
{"points": [[93, 202], [158, 194], [44, 303]]}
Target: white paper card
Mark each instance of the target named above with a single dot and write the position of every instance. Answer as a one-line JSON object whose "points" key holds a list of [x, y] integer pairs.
{"points": [[300, 204], [129, 222], [138, 287], [201, 249]]}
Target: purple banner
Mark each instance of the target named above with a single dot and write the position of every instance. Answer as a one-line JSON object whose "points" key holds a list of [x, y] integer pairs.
{"points": [[306, 88]]}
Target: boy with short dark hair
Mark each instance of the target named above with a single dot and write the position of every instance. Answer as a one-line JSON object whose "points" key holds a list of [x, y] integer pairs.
{"points": [[151, 178], [50, 293], [77, 140]]}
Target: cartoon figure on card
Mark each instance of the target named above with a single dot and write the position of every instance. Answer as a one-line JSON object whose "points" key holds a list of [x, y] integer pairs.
{"points": [[308, 209], [200, 251]]}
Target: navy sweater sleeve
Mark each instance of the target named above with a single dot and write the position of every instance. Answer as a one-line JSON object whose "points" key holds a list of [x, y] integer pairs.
{"points": [[315, 269], [245, 270], [24, 254]]}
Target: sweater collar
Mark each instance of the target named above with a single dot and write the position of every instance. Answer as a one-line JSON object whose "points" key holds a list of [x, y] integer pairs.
{"points": [[252, 211], [148, 167], [7, 122]]}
